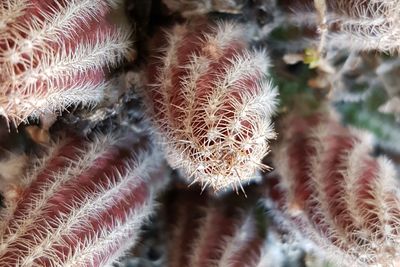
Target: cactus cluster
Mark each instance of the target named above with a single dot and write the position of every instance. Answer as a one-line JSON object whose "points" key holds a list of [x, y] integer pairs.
{"points": [[206, 232], [203, 75], [338, 195], [211, 100], [52, 55], [82, 204]]}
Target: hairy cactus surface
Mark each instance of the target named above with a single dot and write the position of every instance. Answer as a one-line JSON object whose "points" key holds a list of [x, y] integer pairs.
{"points": [[334, 192], [358, 25], [82, 204], [367, 24], [52, 55], [211, 233], [210, 99]]}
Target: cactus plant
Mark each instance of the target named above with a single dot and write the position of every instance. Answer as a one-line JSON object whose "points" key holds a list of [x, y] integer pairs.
{"points": [[204, 231], [334, 192], [52, 55], [358, 25], [211, 101], [82, 204], [368, 24]]}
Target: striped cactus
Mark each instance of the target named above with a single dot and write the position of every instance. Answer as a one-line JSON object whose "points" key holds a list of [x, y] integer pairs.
{"points": [[365, 25], [82, 204], [52, 55], [212, 102], [333, 191], [211, 233]]}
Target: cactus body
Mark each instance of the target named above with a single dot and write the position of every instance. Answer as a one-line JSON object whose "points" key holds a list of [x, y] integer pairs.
{"points": [[82, 205], [52, 55], [366, 24], [209, 98], [334, 192], [208, 233]]}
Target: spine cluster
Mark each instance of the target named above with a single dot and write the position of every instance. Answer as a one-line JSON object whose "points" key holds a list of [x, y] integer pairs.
{"points": [[207, 233], [82, 204], [210, 99], [366, 24], [52, 55], [333, 191]]}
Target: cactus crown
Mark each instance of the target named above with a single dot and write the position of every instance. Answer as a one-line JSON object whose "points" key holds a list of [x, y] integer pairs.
{"points": [[210, 99]]}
